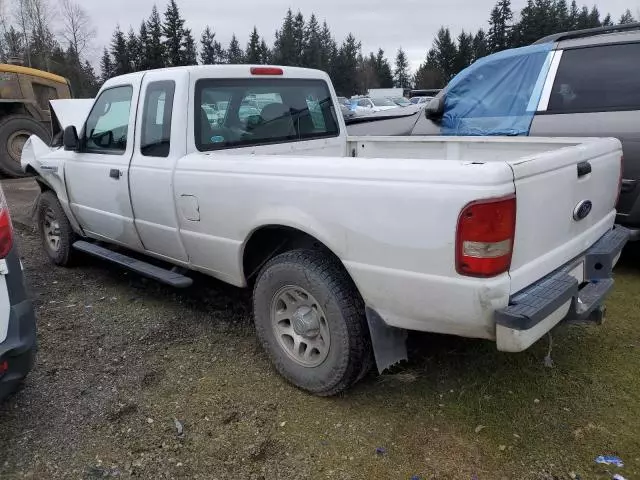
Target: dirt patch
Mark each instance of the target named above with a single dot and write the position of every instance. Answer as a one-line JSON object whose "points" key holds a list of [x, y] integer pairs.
{"points": [[123, 359]]}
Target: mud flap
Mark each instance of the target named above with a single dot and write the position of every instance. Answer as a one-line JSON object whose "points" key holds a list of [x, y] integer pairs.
{"points": [[389, 343]]}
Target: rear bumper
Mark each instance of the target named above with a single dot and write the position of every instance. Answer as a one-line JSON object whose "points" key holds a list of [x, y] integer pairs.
{"points": [[576, 291], [19, 348]]}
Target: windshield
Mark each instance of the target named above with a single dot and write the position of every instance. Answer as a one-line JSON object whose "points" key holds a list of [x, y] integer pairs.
{"points": [[382, 102]]}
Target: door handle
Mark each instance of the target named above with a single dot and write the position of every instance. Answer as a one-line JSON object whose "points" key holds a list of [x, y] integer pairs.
{"points": [[115, 173], [584, 168]]}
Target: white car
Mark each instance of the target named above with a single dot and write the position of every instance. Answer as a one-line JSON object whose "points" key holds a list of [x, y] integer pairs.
{"points": [[17, 314], [366, 105], [347, 242]]}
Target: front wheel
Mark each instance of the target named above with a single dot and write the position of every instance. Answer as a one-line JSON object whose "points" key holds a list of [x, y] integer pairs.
{"points": [[55, 230], [310, 320]]}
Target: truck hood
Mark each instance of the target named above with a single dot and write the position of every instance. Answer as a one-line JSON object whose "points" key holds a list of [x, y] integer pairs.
{"points": [[69, 112]]}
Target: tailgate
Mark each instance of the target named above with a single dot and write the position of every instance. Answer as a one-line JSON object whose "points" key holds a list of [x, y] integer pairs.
{"points": [[565, 203]]}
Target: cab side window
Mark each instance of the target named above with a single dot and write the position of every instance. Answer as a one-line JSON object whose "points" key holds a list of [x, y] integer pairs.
{"points": [[107, 127], [156, 119]]}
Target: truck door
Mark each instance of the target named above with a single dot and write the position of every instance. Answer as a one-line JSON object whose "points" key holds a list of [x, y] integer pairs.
{"points": [[97, 175], [160, 142]]}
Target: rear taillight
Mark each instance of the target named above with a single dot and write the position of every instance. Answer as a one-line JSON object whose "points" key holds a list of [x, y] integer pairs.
{"points": [[6, 230], [484, 240]]}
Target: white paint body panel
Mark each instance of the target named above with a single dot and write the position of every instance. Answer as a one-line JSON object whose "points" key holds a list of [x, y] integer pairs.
{"points": [[386, 206]]}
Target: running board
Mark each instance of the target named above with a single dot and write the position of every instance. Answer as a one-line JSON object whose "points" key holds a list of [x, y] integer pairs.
{"points": [[143, 268]]}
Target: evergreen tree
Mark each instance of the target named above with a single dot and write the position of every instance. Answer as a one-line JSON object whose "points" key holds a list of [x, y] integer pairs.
{"points": [[312, 55], [265, 53], [429, 75], [584, 19], [235, 55], [383, 70], [607, 21], [500, 26], [253, 53], [328, 49], [143, 40], [106, 66], [120, 53], [299, 37], [574, 13], [285, 45], [480, 46], [366, 75], [135, 51], [465, 54], [594, 18], [445, 53], [189, 52], [561, 15], [173, 30], [402, 75], [13, 44], [626, 18], [346, 67], [155, 52], [212, 52]]}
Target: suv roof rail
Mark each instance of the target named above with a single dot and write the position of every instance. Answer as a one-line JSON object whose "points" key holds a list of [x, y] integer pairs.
{"points": [[556, 37]]}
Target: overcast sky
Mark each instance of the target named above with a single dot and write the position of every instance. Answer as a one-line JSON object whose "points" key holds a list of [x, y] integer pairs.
{"points": [[410, 24]]}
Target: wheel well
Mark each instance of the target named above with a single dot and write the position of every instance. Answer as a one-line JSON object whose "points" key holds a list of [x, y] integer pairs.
{"points": [[43, 186], [269, 241]]}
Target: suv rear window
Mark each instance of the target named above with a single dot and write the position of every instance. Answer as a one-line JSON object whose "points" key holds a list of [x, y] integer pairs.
{"points": [[597, 79], [257, 111]]}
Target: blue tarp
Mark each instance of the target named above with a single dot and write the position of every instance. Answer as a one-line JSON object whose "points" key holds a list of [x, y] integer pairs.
{"points": [[498, 94]]}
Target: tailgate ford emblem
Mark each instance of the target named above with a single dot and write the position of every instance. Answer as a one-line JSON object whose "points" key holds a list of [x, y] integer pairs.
{"points": [[582, 210]]}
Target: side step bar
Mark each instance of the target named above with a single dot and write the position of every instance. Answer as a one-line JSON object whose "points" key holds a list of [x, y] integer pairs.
{"points": [[173, 279]]}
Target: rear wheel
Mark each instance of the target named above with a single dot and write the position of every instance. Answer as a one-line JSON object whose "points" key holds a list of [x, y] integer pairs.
{"points": [[55, 230], [15, 130], [310, 320]]}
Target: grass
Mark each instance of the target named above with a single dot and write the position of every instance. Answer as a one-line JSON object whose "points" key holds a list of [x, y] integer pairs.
{"points": [[458, 409]]}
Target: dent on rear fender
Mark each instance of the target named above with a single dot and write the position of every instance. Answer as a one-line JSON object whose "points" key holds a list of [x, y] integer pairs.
{"points": [[491, 299]]}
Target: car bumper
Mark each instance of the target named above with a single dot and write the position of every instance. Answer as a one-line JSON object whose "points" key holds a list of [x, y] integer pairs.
{"points": [[575, 292], [17, 352]]}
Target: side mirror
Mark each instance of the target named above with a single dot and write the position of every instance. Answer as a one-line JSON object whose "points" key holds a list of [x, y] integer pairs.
{"points": [[435, 108], [70, 138]]}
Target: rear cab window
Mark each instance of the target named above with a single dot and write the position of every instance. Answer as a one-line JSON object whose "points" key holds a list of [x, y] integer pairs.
{"points": [[156, 119], [246, 112], [597, 79]]}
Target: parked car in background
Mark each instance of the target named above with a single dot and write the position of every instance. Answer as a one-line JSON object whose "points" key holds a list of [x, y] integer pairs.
{"points": [[364, 105], [17, 315], [400, 101], [582, 83], [330, 230], [420, 100]]}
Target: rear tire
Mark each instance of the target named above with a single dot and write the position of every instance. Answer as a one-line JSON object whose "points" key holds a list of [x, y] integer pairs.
{"points": [[55, 230], [14, 132], [310, 320]]}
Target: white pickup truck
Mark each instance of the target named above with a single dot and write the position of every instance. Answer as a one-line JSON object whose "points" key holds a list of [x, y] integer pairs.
{"points": [[347, 242]]}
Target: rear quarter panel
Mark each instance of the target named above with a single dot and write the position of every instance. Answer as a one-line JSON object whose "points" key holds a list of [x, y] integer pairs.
{"points": [[391, 222]]}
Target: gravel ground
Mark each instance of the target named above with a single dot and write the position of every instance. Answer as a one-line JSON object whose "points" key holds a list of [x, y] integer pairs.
{"points": [[137, 380]]}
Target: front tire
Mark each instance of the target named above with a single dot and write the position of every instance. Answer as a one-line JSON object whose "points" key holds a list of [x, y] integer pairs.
{"points": [[55, 230], [310, 320]]}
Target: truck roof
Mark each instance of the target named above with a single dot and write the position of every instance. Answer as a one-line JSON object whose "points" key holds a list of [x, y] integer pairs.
{"points": [[6, 68], [232, 71]]}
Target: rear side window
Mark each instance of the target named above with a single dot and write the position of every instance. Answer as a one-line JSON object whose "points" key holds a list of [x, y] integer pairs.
{"points": [[156, 119], [260, 111], [597, 79]]}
